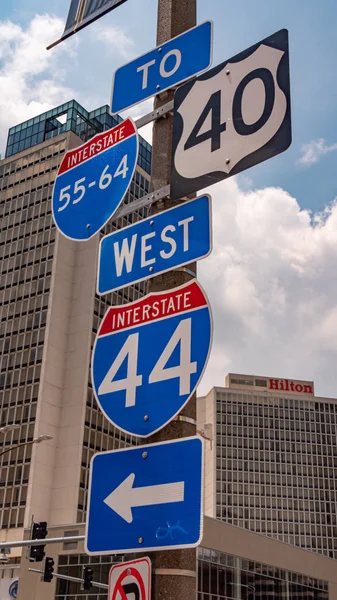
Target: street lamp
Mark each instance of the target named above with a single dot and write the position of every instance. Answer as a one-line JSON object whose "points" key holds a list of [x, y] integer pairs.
{"points": [[249, 587], [37, 440], [7, 428], [42, 438]]}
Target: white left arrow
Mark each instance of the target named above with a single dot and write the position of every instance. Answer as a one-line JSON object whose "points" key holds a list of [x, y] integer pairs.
{"points": [[125, 497]]}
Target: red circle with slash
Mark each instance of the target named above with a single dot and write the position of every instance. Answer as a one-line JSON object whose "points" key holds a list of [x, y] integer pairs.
{"points": [[131, 580]]}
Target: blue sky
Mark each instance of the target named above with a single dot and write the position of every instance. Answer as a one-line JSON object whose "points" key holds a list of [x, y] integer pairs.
{"points": [[271, 276], [237, 25]]}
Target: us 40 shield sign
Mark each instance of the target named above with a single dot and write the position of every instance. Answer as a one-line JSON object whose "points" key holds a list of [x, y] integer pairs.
{"points": [[149, 357], [232, 117]]}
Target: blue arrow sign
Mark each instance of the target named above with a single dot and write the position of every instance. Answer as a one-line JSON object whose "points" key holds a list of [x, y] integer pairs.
{"points": [[146, 498], [154, 348], [170, 239], [92, 181], [163, 67]]}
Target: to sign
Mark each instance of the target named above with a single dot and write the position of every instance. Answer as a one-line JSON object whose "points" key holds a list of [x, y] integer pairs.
{"points": [[154, 348], [170, 239], [232, 117], [130, 580], [163, 67], [93, 179], [146, 498]]}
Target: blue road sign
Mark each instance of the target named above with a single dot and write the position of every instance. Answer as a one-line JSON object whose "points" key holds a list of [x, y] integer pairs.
{"points": [[92, 181], [154, 348], [146, 498], [170, 239], [163, 67]]}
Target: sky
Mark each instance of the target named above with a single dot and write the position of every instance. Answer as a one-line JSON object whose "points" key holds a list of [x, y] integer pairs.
{"points": [[271, 278]]}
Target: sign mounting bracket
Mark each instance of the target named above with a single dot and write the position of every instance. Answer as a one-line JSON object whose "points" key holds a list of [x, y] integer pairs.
{"points": [[155, 114], [147, 200]]}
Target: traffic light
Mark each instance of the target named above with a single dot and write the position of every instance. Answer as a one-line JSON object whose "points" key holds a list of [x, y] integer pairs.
{"points": [[88, 575], [39, 532], [48, 569]]}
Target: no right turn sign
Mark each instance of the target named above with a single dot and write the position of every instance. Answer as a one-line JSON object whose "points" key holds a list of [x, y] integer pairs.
{"points": [[130, 580]]}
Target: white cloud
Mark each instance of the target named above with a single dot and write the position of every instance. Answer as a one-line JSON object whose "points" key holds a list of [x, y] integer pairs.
{"points": [[313, 152], [271, 278], [272, 284], [115, 40], [31, 78]]}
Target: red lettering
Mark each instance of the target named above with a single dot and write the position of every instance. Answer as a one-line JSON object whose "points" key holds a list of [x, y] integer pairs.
{"points": [[286, 385], [273, 384]]}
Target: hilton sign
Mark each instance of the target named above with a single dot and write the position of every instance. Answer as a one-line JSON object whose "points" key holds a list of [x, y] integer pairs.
{"points": [[288, 385]]}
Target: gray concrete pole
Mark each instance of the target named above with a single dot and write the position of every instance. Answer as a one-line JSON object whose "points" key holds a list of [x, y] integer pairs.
{"points": [[175, 574]]}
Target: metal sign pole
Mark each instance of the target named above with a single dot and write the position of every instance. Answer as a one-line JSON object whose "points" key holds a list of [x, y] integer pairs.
{"points": [[174, 570], [39, 542]]}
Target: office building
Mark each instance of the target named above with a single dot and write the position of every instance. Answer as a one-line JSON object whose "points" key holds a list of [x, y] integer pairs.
{"points": [[49, 316], [272, 465]]}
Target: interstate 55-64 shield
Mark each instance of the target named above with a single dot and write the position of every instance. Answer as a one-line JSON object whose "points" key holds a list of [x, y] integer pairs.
{"points": [[92, 181]]}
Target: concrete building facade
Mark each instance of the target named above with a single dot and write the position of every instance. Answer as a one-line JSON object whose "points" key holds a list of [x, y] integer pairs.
{"points": [[272, 466], [49, 315]]}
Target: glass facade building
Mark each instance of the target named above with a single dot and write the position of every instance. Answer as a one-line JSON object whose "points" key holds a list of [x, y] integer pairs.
{"points": [[273, 466], [38, 327], [70, 116], [220, 576]]}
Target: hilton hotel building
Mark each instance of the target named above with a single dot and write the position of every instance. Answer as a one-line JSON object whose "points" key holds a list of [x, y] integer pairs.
{"points": [[272, 465]]}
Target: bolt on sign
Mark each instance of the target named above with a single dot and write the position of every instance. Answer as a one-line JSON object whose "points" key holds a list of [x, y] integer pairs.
{"points": [[146, 498], [233, 117], [92, 181], [163, 67], [130, 580], [156, 347], [170, 239]]}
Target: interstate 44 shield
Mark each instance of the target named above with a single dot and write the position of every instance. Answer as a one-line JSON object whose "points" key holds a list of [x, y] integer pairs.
{"points": [[149, 357]]}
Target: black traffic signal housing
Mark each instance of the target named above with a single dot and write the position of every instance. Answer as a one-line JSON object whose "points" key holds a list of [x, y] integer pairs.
{"points": [[39, 532], [88, 575], [48, 569]]}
